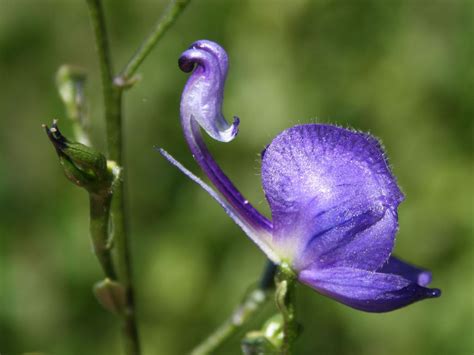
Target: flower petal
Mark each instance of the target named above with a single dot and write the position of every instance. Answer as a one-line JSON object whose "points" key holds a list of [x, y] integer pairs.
{"points": [[363, 246], [331, 193], [365, 290], [217, 51], [258, 236], [201, 104], [396, 266], [203, 94]]}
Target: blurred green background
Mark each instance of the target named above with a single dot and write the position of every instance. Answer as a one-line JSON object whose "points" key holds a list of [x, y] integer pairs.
{"points": [[402, 70]]}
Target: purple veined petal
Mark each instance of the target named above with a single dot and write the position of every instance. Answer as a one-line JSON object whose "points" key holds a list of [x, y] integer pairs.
{"points": [[413, 273], [364, 246], [333, 197], [258, 236], [201, 104], [365, 290]]}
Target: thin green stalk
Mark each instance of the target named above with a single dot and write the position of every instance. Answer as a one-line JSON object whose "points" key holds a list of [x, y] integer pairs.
{"points": [[124, 263], [99, 230], [112, 96], [250, 305], [175, 8], [285, 301]]}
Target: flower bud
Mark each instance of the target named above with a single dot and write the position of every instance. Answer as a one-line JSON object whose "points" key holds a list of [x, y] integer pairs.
{"points": [[268, 340], [255, 343], [111, 295], [70, 81], [83, 165]]}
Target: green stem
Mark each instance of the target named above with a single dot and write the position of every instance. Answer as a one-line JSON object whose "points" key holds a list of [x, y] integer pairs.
{"points": [[250, 305], [285, 301], [124, 263], [113, 115], [112, 93], [99, 229], [162, 25]]}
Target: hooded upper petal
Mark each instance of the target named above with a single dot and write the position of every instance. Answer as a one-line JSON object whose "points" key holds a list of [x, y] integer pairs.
{"points": [[203, 94], [365, 290], [201, 104], [333, 197]]}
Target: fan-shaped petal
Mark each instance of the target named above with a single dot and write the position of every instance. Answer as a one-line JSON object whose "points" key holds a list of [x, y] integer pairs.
{"points": [[332, 196]]}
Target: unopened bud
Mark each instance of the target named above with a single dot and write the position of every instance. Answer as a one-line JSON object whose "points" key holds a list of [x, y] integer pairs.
{"points": [[111, 295], [268, 340], [83, 165], [255, 343], [71, 81]]}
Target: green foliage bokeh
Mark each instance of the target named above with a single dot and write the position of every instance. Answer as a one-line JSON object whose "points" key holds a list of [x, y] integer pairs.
{"points": [[399, 69]]}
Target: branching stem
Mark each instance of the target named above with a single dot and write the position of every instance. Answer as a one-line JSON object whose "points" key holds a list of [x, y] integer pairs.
{"points": [[162, 25], [112, 95]]}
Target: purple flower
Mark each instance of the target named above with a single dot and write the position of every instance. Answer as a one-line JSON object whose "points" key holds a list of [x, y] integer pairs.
{"points": [[332, 196]]}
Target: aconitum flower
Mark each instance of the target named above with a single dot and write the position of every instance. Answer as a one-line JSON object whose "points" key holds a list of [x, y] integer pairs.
{"points": [[332, 196]]}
